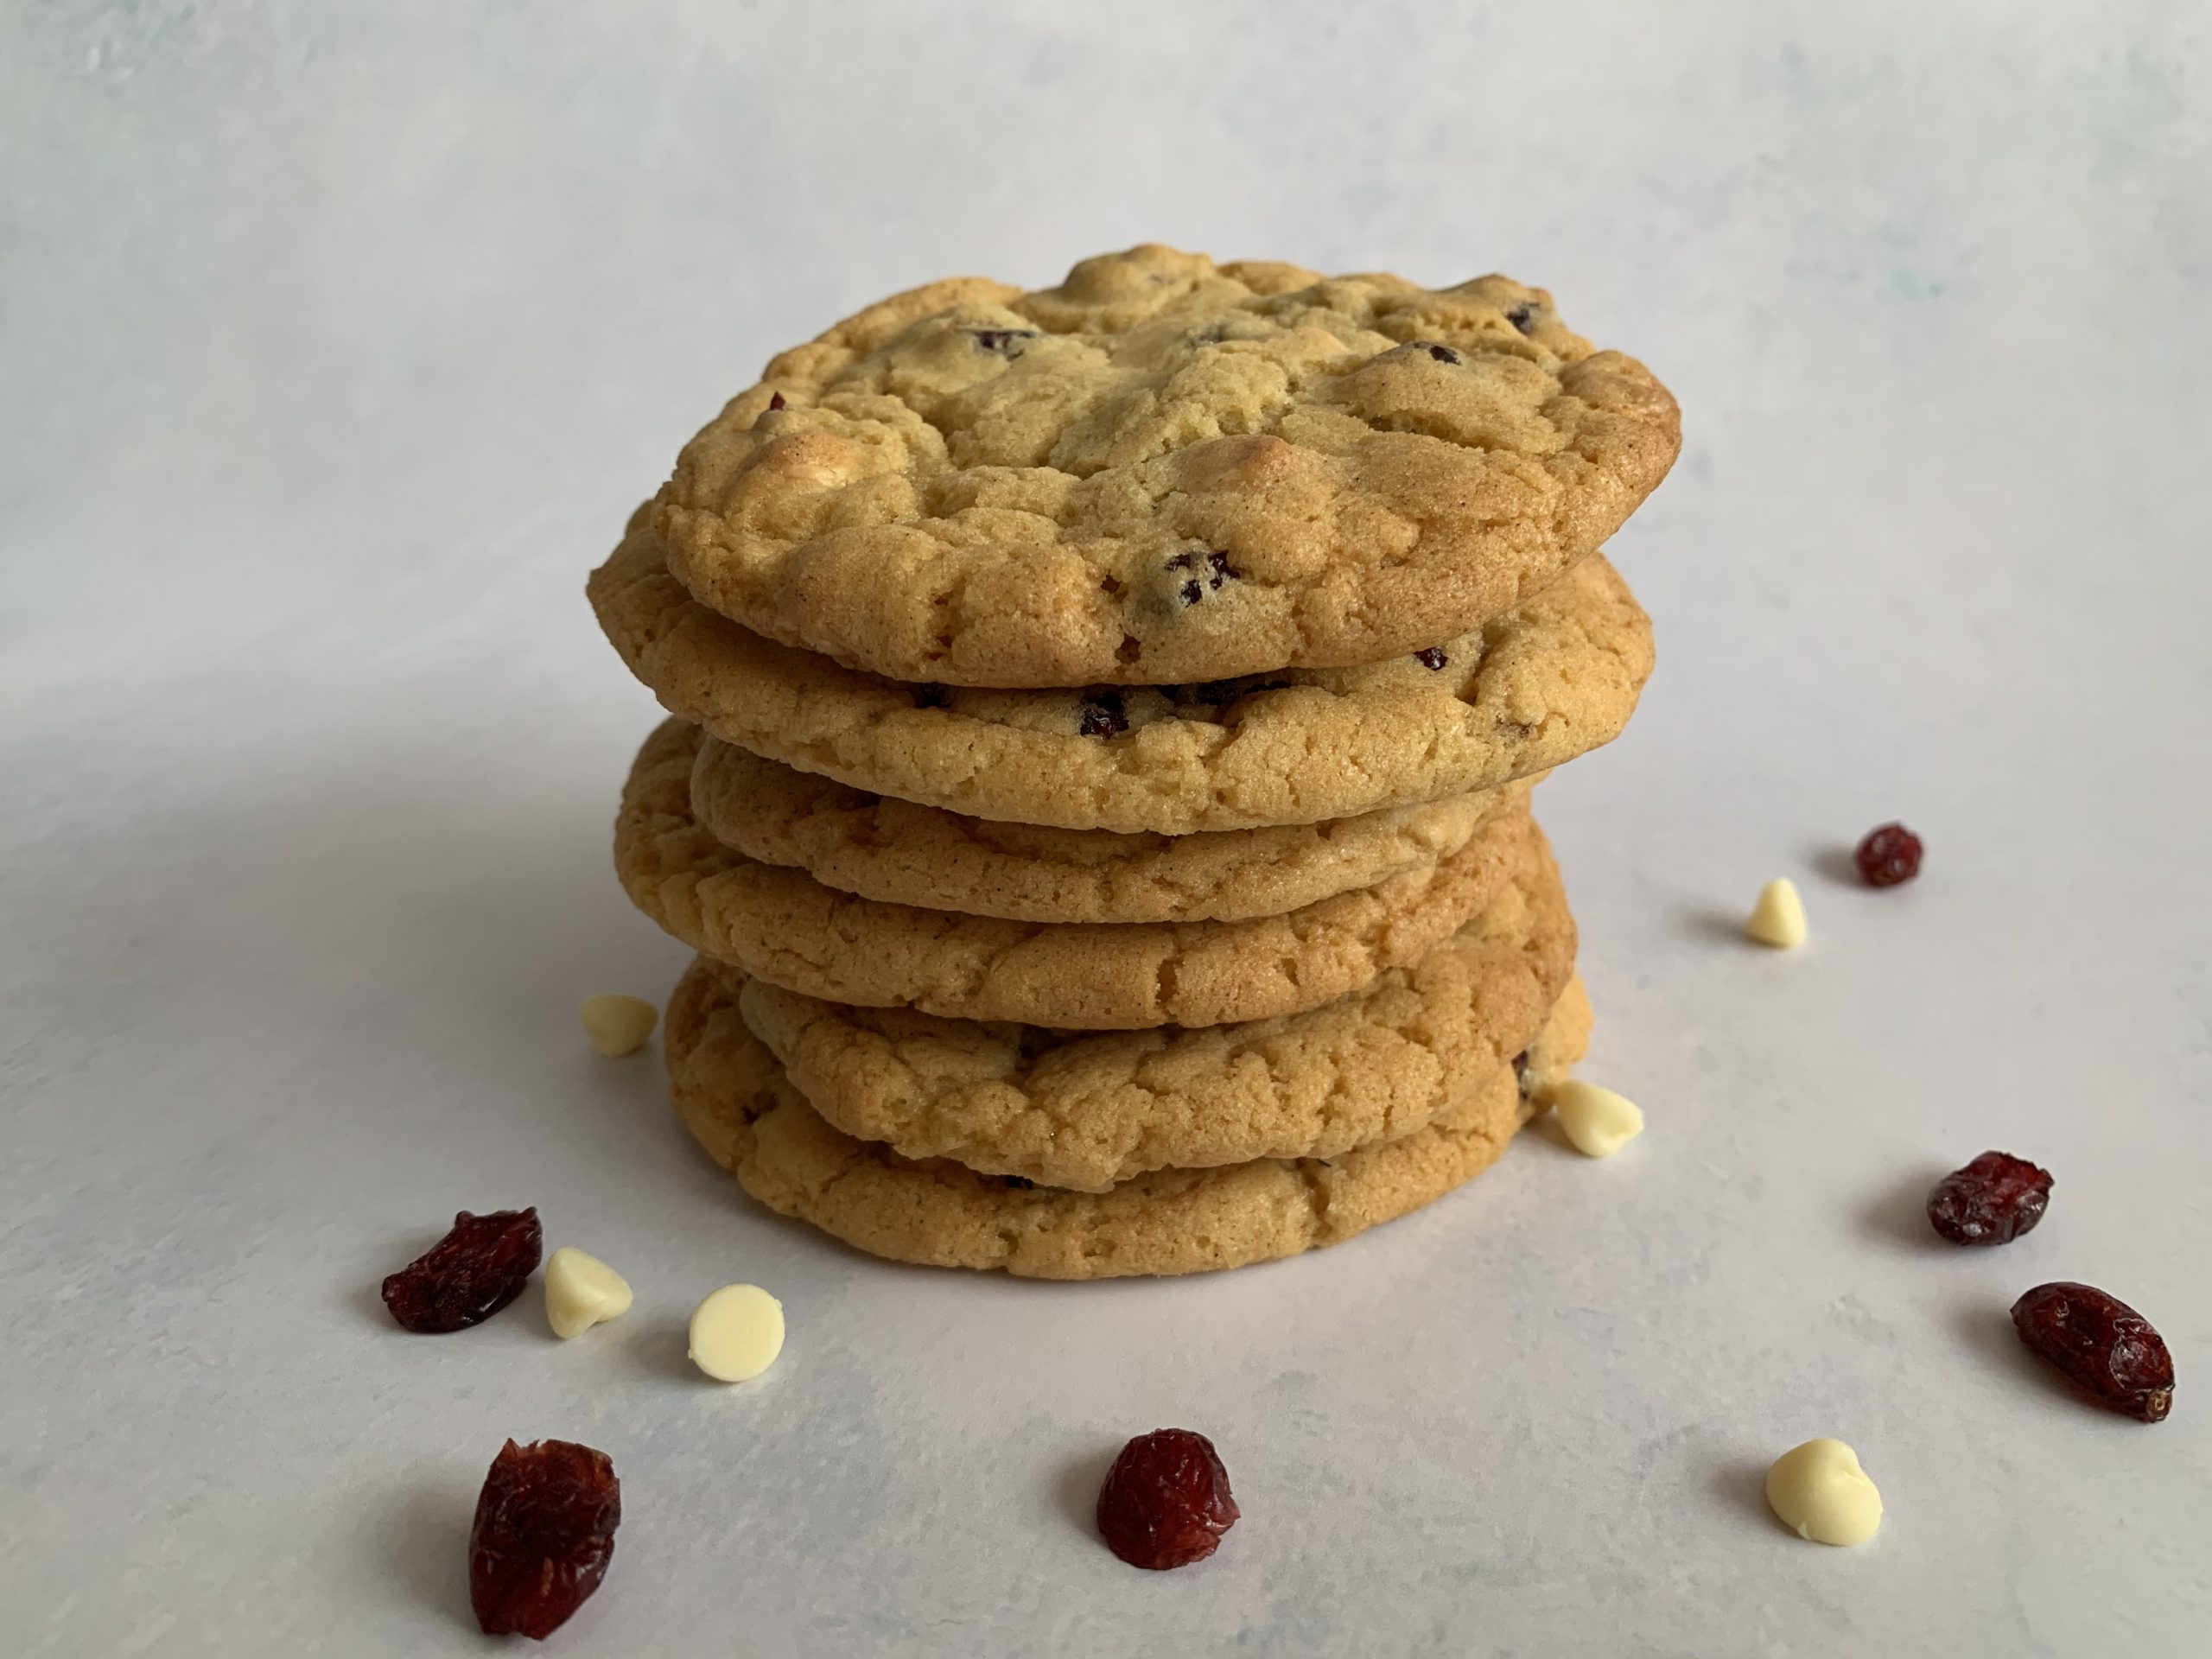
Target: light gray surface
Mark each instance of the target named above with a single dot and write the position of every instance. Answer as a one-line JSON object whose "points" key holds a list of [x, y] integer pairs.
{"points": [[335, 347]]}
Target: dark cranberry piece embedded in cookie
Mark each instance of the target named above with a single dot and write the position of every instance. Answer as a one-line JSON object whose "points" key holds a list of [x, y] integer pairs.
{"points": [[543, 1534], [1522, 316], [775, 401], [1210, 570], [2101, 1346], [1441, 353], [1165, 1502], [469, 1274], [1433, 658], [1992, 1201], [1102, 715], [1889, 855], [1007, 342]]}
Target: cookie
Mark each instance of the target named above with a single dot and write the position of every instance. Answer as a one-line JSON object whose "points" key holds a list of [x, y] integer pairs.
{"points": [[1089, 1110], [882, 847], [1162, 470], [783, 927], [1526, 693], [732, 1095]]}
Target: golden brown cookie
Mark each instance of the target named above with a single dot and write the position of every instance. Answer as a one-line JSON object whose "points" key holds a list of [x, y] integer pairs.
{"points": [[883, 848], [1089, 1110], [1527, 692], [736, 1101], [1163, 470], [783, 927]]}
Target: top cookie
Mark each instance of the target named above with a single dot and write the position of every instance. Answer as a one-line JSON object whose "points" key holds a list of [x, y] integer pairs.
{"points": [[1161, 471]]}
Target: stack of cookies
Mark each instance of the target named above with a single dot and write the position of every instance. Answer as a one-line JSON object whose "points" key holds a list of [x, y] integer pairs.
{"points": [[1104, 724]]}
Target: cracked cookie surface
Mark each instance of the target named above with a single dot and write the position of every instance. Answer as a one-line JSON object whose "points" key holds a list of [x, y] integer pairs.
{"points": [[1527, 692], [1162, 470], [782, 926], [880, 846], [1088, 1109], [733, 1096]]}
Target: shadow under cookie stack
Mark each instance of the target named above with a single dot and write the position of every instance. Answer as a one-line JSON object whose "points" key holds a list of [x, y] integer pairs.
{"points": [[1103, 721]]}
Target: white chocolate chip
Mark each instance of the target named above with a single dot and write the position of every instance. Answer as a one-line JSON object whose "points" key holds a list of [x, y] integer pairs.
{"points": [[1820, 1493], [582, 1291], [617, 1025], [737, 1332], [1598, 1122], [1779, 918]]}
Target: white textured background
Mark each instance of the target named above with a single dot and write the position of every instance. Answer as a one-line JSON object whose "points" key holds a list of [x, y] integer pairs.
{"points": [[336, 339]]}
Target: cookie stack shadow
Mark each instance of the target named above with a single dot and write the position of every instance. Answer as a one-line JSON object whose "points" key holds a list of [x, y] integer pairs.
{"points": [[1111, 976]]}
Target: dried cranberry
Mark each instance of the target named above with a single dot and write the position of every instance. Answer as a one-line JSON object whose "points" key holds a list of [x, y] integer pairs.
{"points": [[1165, 1502], [469, 1274], [1102, 715], [1433, 658], [1211, 568], [775, 401], [2101, 1346], [1889, 855], [545, 1532], [1007, 342], [1522, 316], [1992, 1201], [1441, 353]]}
